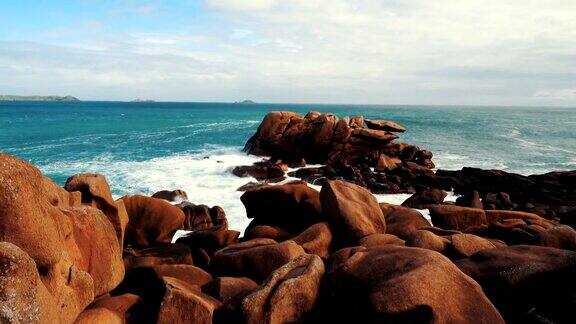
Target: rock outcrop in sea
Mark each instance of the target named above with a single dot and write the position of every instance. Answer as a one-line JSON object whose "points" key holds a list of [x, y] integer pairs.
{"points": [[76, 255]]}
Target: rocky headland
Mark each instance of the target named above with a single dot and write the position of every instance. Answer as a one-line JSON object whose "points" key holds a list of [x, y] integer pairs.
{"points": [[37, 98], [504, 252]]}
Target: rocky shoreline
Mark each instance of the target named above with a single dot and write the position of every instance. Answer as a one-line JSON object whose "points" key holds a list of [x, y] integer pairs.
{"points": [[504, 252]]}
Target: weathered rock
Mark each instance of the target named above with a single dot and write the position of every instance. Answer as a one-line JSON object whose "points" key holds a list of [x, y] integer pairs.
{"points": [[278, 234], [561, 237], [425, 239], [19, 281], [316, 239], [376, 240], [230, 289], [255, 259], [288, 294], [152, 220], [384, 125], [162, 253], [402, 285], [464, 245], [386, 163], [185, 303], [425, 198], [457, 218], [352, 211], [110, 309], [210, 240], [526, 283], [471, 200], [261, 170], [373, 135], [49, 224], [185, 272], [293, 207], [176, 196], [197, 217], [95, 192], [401, 221]]}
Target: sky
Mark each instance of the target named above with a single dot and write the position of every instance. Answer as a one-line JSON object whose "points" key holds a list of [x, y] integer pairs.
{"points": [[440, 52]]}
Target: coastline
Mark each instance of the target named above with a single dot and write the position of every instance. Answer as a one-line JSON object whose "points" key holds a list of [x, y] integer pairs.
{"points": [[371, 216]]}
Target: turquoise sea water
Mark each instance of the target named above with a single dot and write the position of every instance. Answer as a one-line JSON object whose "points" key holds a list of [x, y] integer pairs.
{"points": [[144, 147]]}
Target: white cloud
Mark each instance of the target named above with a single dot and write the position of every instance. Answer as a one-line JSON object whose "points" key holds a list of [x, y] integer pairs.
{"points": [[363, 51], [561, 94]]}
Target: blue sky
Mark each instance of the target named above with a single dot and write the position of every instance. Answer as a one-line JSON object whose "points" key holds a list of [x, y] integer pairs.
{"points": [[312, 51]]}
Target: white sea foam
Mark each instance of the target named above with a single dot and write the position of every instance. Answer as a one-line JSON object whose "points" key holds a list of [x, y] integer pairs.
{"points": [[205, 176]]}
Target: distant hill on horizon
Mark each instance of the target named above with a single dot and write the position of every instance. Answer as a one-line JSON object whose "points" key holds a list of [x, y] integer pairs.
{"points": [[37, 98]]}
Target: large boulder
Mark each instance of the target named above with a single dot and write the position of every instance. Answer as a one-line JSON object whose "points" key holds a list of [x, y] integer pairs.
{"points": [[291, 206], [402, 285], [75, 248], [316, 239], [288, 294], [456, 217], [526, 283], [352, 211], [110, 309], [184, 303], [152, 220], [159, 254], [255, 259], [423, 199], [19, 281], [401, 221], [95, 192]]}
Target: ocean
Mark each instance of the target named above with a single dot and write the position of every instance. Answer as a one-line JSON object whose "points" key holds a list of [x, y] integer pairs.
{"points": [[146, 147]]}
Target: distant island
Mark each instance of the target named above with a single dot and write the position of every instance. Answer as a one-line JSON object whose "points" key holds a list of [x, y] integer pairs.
{"points": [[37, 98], [142, 100], [245, 102]]}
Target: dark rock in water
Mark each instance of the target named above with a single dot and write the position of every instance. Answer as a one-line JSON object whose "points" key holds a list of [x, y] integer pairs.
{"points": [[171, 195], [422, 199], [324, 138], [471, 200], [261, 170], [528, 284]]}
